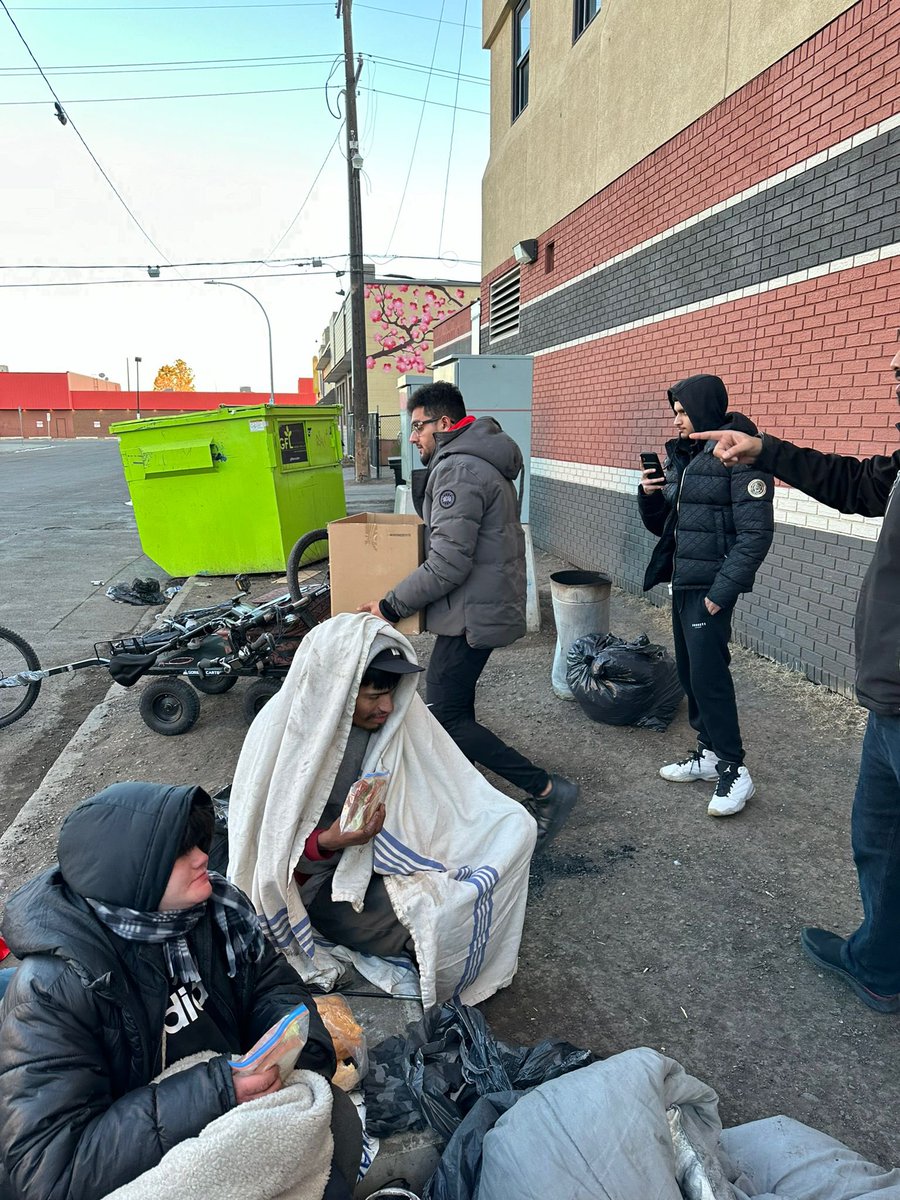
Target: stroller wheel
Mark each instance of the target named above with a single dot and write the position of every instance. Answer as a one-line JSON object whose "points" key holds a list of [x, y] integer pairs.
{"points": [[169, 706], [257, 695]]}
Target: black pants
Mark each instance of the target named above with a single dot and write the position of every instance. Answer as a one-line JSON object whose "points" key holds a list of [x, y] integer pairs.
{"points": [[375, 930], [702, 658], [450, 682]]}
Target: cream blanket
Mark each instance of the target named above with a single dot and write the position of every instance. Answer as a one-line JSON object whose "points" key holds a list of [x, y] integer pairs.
{"points": [[454, 851], [275, 1148]]}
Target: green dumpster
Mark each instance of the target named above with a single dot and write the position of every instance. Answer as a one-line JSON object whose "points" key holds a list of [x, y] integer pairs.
{"points": [[231, 490]]}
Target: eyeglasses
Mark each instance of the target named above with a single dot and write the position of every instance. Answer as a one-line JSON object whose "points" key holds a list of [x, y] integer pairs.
{"points": [[418, 426]]}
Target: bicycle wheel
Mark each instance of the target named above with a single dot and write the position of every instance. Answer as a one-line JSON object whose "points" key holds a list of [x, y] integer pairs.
{"points": [[307, 567], [16, 656]]}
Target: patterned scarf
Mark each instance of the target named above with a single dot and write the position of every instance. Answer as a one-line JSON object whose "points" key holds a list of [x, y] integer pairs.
{"points": [[233, 912]]}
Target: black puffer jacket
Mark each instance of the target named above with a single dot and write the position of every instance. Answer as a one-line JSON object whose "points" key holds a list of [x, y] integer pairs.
{"points": [[83, 1017], [715, 523]]}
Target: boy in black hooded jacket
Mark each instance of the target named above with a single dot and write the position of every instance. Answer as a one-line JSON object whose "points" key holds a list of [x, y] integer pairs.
{"points": [[133, 956], [715, 527]]}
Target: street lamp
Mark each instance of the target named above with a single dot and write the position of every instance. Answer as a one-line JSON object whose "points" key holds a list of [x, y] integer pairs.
{"points": [[223, 283], [137, 382]]}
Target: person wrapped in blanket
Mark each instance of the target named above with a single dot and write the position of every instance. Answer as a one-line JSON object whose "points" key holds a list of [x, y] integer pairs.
{"points": [[135, 956], [376, 929]]}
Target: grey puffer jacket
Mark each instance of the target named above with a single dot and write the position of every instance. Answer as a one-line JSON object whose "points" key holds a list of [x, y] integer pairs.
{"points": [[714, 523], [82, 1020], [473, 579]]}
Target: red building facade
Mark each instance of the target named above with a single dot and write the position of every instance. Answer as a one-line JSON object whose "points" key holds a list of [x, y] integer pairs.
{"points": [[762, 244]]}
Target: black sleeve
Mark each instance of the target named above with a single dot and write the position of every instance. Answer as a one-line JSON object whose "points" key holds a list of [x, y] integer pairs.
{"points": [[65, 1136], [752, 510], [851, 485], [653, 509], [276, 988]]}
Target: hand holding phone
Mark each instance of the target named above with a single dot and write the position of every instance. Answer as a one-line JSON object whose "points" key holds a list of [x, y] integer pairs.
{"points": [[652, 475]]}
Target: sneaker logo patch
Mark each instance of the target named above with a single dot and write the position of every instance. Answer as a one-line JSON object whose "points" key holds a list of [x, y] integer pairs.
{"points": [[447, 499], [757, 488]]}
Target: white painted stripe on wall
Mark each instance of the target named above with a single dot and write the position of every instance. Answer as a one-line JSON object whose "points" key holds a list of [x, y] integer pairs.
{"points": [[764, 185], [791, 506], [770, 285]]}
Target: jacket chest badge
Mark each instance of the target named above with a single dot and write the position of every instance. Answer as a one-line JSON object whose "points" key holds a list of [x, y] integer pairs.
{"points": [[757, 488], [447, 499]]}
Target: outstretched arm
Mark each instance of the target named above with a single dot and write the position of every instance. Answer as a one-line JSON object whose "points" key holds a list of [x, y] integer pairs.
{"points": [[851, 485]]}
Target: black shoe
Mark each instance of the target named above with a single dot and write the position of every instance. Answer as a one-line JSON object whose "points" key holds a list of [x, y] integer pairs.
{"points": [[552, 810], [824, 948]]}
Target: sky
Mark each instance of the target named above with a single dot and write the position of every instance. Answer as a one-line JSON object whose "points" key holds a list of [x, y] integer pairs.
{"points": [[222, 178]]}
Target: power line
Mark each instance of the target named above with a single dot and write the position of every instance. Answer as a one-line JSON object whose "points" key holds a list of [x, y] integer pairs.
{"points": [[295, 259], [218, 95], [296, 215], [452, 132], [181, 279], [64, 119], [268, 62], [216, 7], [412, 156]]}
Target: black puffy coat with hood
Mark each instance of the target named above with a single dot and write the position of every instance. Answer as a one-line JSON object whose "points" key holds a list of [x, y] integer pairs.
{"points": [[714, 523], [83, 1017]]}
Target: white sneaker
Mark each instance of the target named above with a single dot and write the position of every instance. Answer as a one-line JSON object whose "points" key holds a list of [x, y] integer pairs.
{"points": [[734, 789], [699, 764]]}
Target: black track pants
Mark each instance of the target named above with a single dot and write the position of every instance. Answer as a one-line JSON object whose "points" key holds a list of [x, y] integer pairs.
{"points": [[702, 657], [453, 672]]}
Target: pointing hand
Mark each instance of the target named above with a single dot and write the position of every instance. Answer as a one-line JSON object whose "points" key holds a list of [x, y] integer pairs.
{"points": [[732, 447]]}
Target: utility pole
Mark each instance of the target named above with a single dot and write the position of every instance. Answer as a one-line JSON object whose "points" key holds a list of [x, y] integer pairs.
{"points": [[357, 285]]}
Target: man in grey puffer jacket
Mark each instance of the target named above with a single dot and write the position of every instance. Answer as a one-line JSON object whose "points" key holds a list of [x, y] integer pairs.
{"points": [[472, 583]]}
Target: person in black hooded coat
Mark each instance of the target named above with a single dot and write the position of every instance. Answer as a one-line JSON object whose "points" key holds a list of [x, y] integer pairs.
{"points": [[84, 1017], [715, 527]]}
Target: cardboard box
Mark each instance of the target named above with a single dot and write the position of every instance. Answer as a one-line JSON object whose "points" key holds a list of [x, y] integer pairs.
{"points": [[370, 553]]}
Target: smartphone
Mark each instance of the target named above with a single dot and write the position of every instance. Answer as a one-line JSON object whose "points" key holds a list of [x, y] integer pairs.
{"points": [[650, 462]]}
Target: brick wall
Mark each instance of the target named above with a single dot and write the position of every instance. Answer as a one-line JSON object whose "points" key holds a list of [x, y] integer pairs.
{"points": [[761, 244]]}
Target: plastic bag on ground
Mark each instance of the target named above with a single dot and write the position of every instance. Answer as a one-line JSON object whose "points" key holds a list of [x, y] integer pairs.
{"points": [[435, 1072], [139, 591], [624, 683]]}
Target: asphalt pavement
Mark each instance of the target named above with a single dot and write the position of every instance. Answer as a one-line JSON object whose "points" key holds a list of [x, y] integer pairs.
{"points": [[67, 531]]}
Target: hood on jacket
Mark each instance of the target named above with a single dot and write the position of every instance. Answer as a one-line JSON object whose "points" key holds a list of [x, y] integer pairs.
{"points": [[120, 845], [483, 438], [705, 400]]}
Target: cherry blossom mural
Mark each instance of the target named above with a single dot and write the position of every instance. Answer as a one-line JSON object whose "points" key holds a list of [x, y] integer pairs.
{"points": [[403, 315]]}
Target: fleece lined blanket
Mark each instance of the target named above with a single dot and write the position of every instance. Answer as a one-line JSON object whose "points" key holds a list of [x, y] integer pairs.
{"points": [[454, 851], [275, 1148]]}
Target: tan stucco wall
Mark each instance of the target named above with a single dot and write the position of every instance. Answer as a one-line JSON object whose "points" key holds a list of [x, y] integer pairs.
{"points": [[637, 75]]}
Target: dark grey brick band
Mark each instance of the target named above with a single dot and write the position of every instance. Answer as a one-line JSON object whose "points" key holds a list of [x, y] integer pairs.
{"points": [[800, 613], [844, 206], [459, 345]]}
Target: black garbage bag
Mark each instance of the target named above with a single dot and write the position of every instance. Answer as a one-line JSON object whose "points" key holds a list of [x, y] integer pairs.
{"points": [[435, 1072], [624, 683], [139, 591]]}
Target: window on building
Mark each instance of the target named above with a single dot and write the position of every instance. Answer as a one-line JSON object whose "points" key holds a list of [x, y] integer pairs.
{"points": [[549, 257], [584, 13], [504, 320], [521, 54]]}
